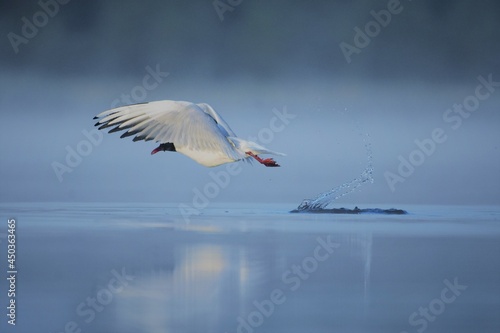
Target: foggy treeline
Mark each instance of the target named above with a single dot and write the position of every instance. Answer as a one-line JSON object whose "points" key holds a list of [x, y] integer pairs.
{"points": [[430, 40]]}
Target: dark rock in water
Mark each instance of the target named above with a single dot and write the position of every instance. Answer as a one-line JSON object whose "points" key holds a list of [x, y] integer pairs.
{"points": [[356, 210]]}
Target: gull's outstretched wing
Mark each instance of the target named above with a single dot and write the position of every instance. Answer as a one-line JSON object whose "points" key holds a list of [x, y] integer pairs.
{"points": [[186, 125], [221, 122]]}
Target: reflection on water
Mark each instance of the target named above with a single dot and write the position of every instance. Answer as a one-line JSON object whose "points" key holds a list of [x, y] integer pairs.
{"points": [[191, 293], [208, 287], [215, 287], [274, 273], [368, 263]]}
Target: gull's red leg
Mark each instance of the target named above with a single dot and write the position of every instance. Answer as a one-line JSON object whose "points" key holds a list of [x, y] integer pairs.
{"points": [[268, 162]]}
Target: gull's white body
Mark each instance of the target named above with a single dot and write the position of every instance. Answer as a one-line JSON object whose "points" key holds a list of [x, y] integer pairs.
{"points": [[195, 130]]}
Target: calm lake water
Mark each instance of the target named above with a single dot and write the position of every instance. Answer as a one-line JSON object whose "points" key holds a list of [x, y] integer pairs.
{"points": [[138, 267]]}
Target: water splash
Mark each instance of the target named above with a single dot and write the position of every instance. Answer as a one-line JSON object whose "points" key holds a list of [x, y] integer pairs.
{"points": [[323, 200]]}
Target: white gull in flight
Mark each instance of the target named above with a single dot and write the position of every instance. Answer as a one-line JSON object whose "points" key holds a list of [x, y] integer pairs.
{"points": [[194, 130]]}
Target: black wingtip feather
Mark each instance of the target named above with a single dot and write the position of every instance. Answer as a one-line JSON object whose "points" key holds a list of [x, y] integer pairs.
{"points": [[105, 125], [139, 138], [126, 134], [116, 129], [124, 128]]}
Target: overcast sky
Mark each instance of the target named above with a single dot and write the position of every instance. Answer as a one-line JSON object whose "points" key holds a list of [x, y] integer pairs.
{"points": [[420, 78]]}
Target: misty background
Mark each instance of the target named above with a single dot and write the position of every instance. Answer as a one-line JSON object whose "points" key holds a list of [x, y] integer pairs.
{"points": [[257, 57]]}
